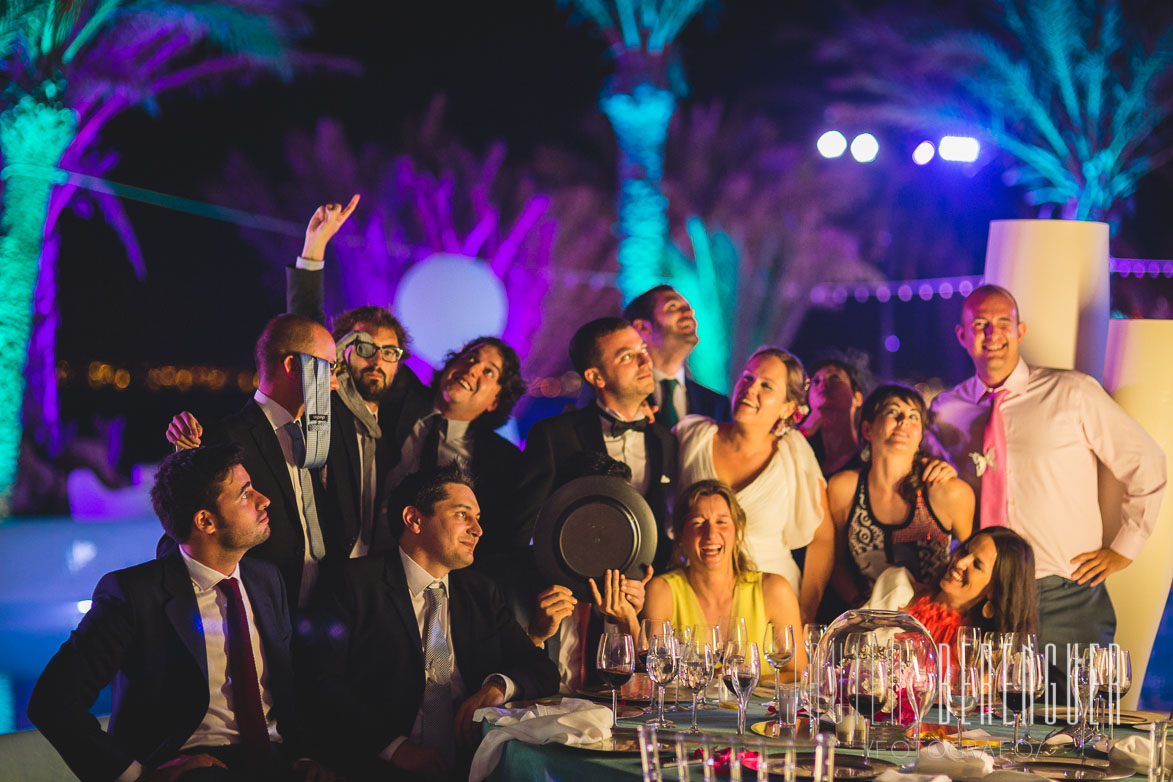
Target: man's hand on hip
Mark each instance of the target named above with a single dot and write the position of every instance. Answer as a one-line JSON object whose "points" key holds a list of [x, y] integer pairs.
{"points": [[1098, 565]]}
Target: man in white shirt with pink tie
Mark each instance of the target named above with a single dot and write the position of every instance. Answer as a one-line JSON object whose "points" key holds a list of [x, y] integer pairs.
{"points": [[1027, 440]]}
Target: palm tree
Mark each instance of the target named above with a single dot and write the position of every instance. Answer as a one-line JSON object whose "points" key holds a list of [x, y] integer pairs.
{"points": [[1074, 92], [70, 67], [639, 100]]}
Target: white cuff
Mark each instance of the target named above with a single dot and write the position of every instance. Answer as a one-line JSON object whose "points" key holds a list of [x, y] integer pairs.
{"points": [[308, 265], [510, 687]]}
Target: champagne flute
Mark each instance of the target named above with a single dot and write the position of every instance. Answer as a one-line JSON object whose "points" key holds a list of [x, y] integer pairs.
{"points": [[779, 648], [716, 638], [920, 682], [616, 664], [695, 672], [968, 643], [1018, 677], [1115, 679], [743, 670], [811, 635], [662, 662]]}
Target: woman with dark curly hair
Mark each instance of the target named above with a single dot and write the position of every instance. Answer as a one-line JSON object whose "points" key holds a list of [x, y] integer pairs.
{"points": [[770, 466], [885, 514]]}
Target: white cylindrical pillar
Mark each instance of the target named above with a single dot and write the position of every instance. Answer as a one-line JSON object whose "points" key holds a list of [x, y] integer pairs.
{"points": [[1139, 376], [1058, 272]]}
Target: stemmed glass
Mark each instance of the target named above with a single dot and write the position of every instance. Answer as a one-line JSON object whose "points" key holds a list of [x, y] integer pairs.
{"points": [[868, 684], [811, 635], [696, 671], [779, 648], [647, 630], [1084, 682], [964, 689], [920, 682], [1019, 677], [1114, 666], [743, 670], [817, 691], [662, 662], [616, 664], [716, 639]]}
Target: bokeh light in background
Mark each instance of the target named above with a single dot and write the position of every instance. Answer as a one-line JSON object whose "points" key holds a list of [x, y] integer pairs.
{"points": [[832, 144], [864, 148], [959, 149], [923, 153]]}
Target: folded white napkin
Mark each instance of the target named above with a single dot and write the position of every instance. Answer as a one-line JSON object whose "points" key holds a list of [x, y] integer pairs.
{"points": [[954, 762], [1007, 775], [1133, 752], [892, 775], [574, 721]]}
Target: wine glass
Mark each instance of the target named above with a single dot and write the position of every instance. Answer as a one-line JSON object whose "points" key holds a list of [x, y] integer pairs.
{"points": [[743, 670], [968, 644], [963, 689], [1018, 678], [1114, 665], [695, 671], [716, 638], [920, 682], [1084, 682], [816, 689], [648, 629], [662, 662], [811, 635], [616, 663], [779, 647]]}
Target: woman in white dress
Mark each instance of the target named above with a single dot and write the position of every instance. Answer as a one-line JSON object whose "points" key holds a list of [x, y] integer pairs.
{"points": [[773, 470]]}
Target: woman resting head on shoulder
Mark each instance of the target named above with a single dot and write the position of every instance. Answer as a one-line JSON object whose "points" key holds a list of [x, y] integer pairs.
{"points": [[711, 579], [990, 583]]}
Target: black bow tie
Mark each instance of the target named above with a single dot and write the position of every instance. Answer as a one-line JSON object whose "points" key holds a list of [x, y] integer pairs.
{"points": [[619, 427]]}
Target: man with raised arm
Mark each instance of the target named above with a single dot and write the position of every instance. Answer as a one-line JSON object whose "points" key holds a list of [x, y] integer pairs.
{"points": [[1027, 440]]}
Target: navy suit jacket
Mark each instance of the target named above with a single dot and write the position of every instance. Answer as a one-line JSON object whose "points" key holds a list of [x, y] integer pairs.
{"points": [[143, 633], [705, 401]]}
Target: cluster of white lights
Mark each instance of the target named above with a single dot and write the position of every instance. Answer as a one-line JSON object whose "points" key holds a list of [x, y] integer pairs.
{"points": [[833, 144], [864, 148]]}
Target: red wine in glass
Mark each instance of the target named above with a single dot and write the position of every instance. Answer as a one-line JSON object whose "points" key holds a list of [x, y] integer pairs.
{"points": [[615, 678]]}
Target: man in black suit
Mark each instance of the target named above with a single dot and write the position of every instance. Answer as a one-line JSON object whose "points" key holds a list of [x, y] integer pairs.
{"points": [[304, 531], [412, 642], [667, 323], [196, 644], [613, 359]]}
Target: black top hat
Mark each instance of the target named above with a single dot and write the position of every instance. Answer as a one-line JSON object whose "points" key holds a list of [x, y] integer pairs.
{"points": [[589, 525]]}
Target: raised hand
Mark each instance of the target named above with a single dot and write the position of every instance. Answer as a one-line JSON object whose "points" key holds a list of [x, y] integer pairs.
{"points": [[185, 431], [614, 603], [554, 605], [323, 225]]}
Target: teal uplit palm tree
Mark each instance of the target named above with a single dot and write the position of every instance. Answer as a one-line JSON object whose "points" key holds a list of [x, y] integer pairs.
{"points": [[639, 100], [68, 67], [1075, 92]]}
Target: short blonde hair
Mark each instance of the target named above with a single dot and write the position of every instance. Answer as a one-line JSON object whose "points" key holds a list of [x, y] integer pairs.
{"points": [[686, 503]]}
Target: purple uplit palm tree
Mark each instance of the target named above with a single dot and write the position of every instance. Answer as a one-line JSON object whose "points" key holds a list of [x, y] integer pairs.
{"points": [[639, 100], [70, 67], [433, 195]]}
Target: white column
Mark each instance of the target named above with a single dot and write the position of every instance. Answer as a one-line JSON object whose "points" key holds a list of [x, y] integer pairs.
{"points": [[1139, 376], [1058, 272]]}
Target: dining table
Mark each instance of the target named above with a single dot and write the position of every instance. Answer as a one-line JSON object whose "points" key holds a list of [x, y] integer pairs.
{"points": [[553, 761]]}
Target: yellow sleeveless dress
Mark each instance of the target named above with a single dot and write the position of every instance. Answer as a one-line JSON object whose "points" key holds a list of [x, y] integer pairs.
{"points": [[748, 604]]}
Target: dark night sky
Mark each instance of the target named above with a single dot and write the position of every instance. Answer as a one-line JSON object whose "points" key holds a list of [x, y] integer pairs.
{"points": [[514, 70]]}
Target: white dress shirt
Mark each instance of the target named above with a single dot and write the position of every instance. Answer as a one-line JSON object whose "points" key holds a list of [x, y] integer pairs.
{"points": [[1057, 423], [278, 417], [418, 580], [628, 448], [456, 445], [679, 392]]}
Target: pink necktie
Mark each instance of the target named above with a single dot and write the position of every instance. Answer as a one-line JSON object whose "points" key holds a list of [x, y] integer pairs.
{"points": [[994, 474]]}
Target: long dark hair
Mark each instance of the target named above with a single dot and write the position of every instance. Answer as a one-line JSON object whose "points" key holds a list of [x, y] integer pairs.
{"points": [[914, 481], [1013, 597]]}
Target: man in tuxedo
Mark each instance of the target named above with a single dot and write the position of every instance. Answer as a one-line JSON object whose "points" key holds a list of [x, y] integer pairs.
{"points": [[412, 642], [667, 323], [613, 360], [196, 644], [304, 531]]}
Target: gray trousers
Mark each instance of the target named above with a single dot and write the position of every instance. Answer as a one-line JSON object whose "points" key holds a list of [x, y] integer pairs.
{"points": [[1072, 616]]}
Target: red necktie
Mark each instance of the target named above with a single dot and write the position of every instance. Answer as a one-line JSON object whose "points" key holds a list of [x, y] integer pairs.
{"points": [[242, 672], [993, 473]]}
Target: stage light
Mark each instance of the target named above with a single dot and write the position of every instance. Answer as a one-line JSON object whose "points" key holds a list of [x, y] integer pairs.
{"points": [[831, 144], [923, 153], [959, 149], [83, 606], [892, 343], [864, 148]]}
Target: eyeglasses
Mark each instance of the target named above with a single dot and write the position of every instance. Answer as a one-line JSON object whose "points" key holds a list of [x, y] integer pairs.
{"points": [[391, 353]]}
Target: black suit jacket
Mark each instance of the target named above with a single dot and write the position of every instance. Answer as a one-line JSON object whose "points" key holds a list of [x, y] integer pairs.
{"points": [[705, 401], [496, 465], [368, 657], [552, 442], [143, 632]]}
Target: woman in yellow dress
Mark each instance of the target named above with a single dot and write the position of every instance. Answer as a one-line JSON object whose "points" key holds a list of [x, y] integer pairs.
{"points": [[712, 577]]}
